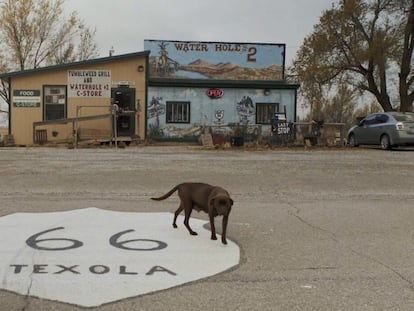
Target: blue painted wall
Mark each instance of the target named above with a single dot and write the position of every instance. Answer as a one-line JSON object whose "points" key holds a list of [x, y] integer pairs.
{"points": [[235, 106]]}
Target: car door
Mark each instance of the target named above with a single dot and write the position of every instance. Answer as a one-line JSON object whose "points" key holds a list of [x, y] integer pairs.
{"points": [[378, 128], [365, 131]]}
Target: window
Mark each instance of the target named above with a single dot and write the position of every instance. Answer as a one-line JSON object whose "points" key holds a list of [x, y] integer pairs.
{"points": [[178, 112], [54, 100], [381, 118], [265, 112], [405, 116], [370, 120], [374, 119]]}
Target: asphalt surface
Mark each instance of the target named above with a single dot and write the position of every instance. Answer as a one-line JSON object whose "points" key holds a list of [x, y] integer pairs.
{"points": [[318, 229]]}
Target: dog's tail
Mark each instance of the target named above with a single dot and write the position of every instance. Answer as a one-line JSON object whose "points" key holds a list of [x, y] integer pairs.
{"points": [[169, 193]]}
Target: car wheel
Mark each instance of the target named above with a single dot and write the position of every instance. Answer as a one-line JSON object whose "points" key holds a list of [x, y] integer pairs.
{"points": [[385, 142], [352, 141]]}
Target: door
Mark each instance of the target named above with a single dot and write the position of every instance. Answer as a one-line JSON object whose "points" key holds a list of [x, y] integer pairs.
{"points": [[366, 131], [379, 127], [125, 99]]}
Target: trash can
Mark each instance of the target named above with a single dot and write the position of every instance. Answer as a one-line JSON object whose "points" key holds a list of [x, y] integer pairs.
{"points": [[219, 139], [237, 141]]}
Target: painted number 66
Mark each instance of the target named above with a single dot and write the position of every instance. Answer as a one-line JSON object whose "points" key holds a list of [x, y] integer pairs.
{"points": [[35, 242]]}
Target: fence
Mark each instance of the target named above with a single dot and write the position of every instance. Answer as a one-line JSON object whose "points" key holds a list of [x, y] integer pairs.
{"points": [[320, 133], [96, 127], [298, 133], [72, 129]]}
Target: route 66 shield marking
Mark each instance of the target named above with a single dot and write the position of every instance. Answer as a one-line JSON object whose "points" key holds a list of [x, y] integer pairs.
{"points": [[90, 256]]}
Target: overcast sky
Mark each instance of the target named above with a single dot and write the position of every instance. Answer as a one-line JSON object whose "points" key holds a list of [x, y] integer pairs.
{"points": [[125, 24]]}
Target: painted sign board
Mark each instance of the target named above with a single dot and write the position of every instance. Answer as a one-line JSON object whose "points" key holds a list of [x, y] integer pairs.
{"points": [[89, 83], [215, 93], [26, 98], [63, 256], [280, 125], [216, 60]]}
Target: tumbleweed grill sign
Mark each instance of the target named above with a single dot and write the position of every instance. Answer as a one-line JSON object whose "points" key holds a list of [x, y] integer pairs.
{"points": [[90, 256], [89, 83]]}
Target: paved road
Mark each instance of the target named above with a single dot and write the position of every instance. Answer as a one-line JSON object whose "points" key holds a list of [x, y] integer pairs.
{"points": [[318, 229]]}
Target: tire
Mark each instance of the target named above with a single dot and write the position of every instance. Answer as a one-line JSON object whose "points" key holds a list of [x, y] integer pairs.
{"points": [[385, 142], [352, 140]]}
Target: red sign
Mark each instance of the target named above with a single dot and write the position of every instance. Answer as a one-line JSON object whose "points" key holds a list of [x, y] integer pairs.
{"points": [[215, 93]]}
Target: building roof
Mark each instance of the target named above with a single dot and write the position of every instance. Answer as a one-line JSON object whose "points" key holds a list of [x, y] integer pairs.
{"points": [[75, 64], [263, 84]]}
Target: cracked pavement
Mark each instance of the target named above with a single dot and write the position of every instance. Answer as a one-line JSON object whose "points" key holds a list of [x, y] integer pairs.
{"points": [[318, 229]]}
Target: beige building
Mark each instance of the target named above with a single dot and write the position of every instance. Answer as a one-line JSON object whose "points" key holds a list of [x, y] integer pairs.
{"points": [[96, 99]]}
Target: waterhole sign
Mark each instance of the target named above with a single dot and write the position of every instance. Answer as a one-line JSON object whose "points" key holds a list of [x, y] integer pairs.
{"points": [[91, 256]]}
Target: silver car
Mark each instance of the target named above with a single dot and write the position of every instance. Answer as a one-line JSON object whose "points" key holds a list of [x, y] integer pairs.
{"points": [[387, 129]]}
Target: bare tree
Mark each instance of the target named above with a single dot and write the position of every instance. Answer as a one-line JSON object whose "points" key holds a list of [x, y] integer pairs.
{"points": [[36, 33], [358, 42], [34, 29], [406, 76], [81, 47]]}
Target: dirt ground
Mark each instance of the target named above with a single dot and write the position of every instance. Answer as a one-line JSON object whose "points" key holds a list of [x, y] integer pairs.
{"points": [[319, 229]]}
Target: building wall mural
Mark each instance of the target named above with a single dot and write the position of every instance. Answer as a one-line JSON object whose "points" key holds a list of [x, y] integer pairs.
{"points": [[215, 60], [235, 106]]}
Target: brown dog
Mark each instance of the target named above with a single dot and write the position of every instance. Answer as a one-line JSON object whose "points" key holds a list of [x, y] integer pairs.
{"points": [[215, 201]]}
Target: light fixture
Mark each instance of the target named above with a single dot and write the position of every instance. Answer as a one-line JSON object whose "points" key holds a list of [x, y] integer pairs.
{"points": [[266, 92], [141, 68]]}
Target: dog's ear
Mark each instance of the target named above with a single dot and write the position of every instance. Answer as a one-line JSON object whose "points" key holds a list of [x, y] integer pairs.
{"points": [[211, 201], [230, 200], [216, 197]]}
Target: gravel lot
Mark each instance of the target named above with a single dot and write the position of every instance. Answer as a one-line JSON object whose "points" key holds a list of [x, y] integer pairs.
{"points": [[319, 229]]}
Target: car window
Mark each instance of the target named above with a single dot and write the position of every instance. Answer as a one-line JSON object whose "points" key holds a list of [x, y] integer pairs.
{"points": [[404, 117], [381, 118], [369, 120]]}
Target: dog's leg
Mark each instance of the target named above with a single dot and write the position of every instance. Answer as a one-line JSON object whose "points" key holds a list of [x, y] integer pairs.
{"points": [[177, 212], [224, 227], [188, 211], [212, 227]]}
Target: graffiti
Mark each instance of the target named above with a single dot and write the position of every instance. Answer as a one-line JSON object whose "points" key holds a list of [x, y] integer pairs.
{"points": [[178, 132], [162, 64], [219, 115], [162, 60], [155, 110], [245, 109]]}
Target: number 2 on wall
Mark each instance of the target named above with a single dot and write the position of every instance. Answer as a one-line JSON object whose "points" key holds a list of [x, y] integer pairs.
{"points": [[251, 54]]}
